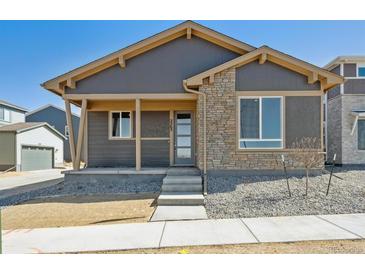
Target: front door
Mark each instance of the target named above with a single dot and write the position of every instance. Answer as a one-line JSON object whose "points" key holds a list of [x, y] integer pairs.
{"points": [[184, 138]]}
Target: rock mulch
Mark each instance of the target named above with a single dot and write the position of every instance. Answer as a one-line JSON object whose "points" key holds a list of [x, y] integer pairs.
{"points": [[259, 196]]}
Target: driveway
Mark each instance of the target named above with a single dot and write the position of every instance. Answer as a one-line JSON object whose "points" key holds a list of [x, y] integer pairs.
{"points": [[27, 181]]}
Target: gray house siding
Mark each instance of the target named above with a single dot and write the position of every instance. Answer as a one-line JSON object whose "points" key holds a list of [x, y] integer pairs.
{"points": [[354, 86], [56, 118], [270, 76], [302, 118], [149, 73], [7, 150], [349, 70], [103, 152]]}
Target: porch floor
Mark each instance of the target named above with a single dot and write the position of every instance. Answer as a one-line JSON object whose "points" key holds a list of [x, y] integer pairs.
{"points": [[119, 170]]}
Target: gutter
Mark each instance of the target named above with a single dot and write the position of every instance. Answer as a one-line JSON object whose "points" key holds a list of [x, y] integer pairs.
{"points": [[205, 185]]}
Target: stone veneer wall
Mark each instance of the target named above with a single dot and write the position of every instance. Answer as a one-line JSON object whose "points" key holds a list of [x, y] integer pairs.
{"points": [[350, 152], [334, 132], [222, 152]]}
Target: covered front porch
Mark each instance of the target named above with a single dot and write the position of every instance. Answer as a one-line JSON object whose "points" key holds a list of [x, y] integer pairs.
{"points": [[121, 133]]}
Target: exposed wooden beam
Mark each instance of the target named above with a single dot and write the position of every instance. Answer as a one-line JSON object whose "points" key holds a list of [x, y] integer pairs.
{"points": [[138, 134], [71, 83], [324, 83], [262, 58], [312, 78], [188, 33], [121, 61], [71, 131], [133, 96], [80, 136]]}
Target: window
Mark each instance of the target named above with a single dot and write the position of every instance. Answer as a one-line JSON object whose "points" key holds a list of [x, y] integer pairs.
{"points": [[361, 70], [361, 134], [121, 126], [4, 114], [67, 132], [260, 120]]}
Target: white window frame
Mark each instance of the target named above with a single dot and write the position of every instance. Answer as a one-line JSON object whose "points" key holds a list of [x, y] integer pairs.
{"points": [[110, 122], [5, 110], [260, 123]]}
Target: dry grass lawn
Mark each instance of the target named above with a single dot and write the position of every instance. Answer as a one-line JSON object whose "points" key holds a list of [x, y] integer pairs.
{"points": [[78, 211], [11, 174], [307, 247]]}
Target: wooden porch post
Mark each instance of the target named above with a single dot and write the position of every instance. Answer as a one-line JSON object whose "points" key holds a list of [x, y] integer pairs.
{"points": [[80, 136], [172, 131], [71, 131], [138, 134]]}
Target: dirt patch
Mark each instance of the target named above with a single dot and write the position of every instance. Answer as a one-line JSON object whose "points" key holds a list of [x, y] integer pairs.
{"points": [[78, 211], [307, 247]]}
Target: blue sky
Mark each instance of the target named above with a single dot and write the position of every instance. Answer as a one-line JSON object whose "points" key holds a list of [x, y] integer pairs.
{"points": [[32, 52]]}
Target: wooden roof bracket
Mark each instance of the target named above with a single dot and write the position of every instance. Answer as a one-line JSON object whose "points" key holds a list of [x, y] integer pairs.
{"points": [[188, 33], [71, 83], [262, 58], [312, 77], [121, 61], [211, 79]]}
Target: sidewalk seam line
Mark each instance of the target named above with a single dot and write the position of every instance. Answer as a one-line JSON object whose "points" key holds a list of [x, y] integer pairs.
{"points": [[349, 231], [257, 239], [163, 231]]}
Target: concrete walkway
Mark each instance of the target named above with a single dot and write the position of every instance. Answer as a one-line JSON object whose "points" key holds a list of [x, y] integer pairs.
{"points": [[183, 233], [28, 181]]}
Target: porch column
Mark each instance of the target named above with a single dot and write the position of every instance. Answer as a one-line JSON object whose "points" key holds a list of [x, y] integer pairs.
{"points": [[138, 134], [80, 136], [71, 131]]}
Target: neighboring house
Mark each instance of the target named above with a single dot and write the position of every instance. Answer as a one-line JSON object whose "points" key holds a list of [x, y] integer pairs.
{"points": [[56, 117], [10, 113], [30, 146], [190, 96], [346, 111]]}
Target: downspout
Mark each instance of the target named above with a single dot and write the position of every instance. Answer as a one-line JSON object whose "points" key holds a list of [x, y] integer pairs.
{"points": [[205, 183]]}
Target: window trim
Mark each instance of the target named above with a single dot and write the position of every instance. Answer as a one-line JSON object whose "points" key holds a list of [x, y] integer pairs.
{"points": [[110, 125], [4, 109], [359, 149], [359, 65], [260, 124]]}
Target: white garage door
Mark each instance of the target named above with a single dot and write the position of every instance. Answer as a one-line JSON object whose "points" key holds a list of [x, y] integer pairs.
{"points": [[35, 158]]}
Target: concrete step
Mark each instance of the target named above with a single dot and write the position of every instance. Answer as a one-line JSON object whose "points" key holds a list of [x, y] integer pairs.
{"points": [[182, 180], [195, 187], [183, 171], [180, 198]]}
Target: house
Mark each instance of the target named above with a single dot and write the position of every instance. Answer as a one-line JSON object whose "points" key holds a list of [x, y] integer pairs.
{"points": [[56, 117], [30, 146], [10, 113], [346, 111], [190, 96], [27, 146]]}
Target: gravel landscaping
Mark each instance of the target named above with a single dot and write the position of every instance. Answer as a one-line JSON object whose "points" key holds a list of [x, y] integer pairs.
{"points": [[258, 196], [91, 187]]}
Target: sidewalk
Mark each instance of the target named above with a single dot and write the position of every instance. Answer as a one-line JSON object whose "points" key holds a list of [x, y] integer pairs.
{"points": [[183, 233], [28, 181]]}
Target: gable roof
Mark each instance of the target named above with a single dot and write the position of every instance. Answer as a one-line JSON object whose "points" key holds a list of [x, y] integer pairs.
{"points": [[25, 126], [345, 59], [48, 106], [314, 73], [187, 28], [4, 103]]}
